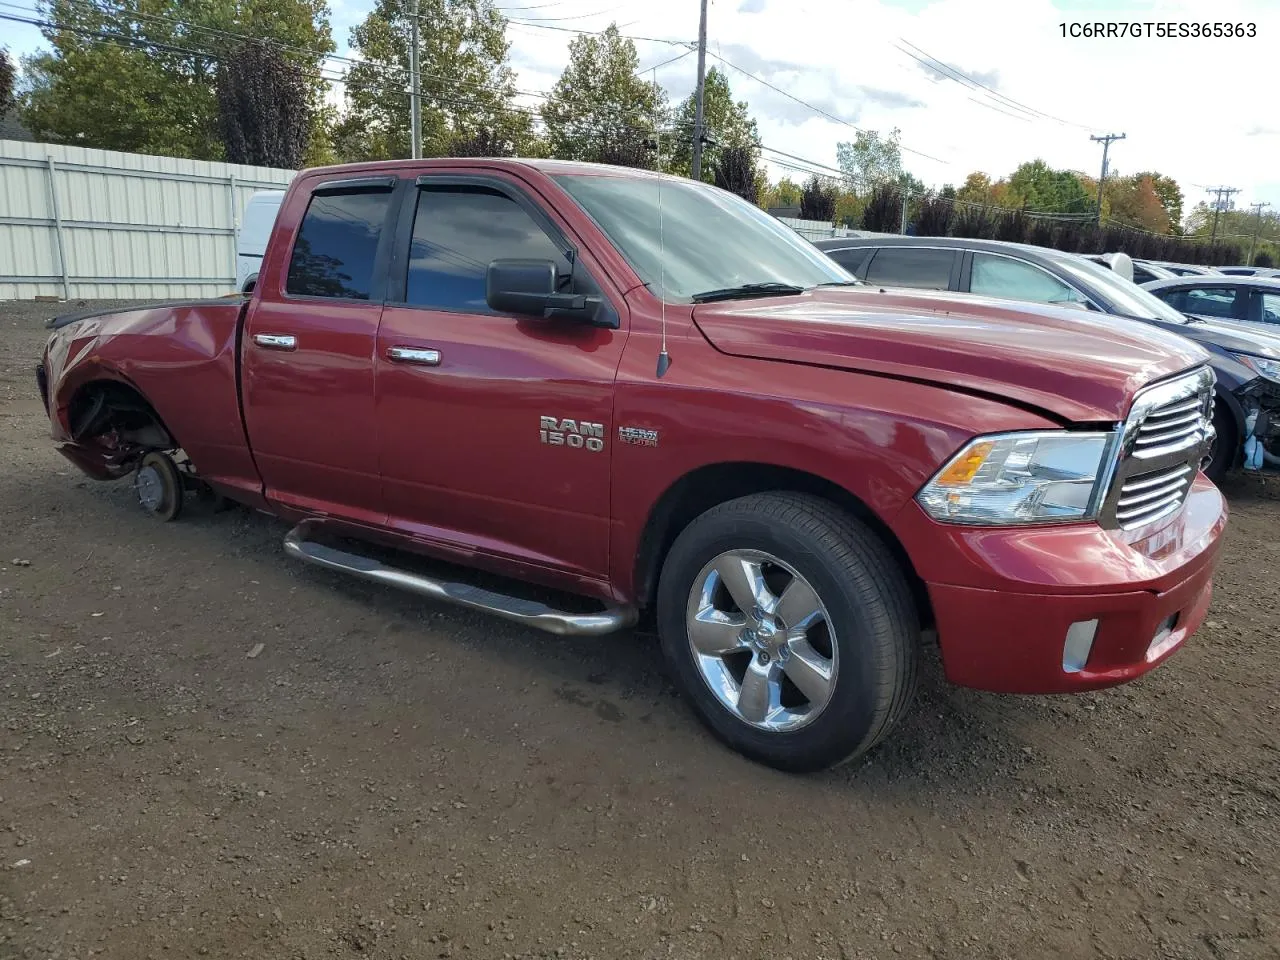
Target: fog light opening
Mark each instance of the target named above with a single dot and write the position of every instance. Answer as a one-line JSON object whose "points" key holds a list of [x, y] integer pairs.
{"points": [[1075, 651]]}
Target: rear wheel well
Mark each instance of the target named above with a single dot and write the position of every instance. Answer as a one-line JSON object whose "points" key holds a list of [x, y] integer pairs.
{"points": [[103, 407], [699, 491]]}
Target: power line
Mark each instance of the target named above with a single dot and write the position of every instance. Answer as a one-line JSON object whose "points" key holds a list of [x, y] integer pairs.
{"points": [[966, 80], [815, 109], [594, 33], [664, 63], [580, 16]]}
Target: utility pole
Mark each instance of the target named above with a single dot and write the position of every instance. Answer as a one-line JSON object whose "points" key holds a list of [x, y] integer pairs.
{"points": [[1102, 178], [906, 195], [696, 165], [1221, 201], [1257, 228], [415, 102]]}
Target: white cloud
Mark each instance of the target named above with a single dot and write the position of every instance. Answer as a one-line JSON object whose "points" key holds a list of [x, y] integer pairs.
{"points": [[1199, 110], [1190, 107]]}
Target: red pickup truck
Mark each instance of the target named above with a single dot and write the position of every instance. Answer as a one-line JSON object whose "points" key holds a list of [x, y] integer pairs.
{"points": [[647, 395]]}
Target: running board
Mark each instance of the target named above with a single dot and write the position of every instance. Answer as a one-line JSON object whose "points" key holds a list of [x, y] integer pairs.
{"points": [[517, 609]]}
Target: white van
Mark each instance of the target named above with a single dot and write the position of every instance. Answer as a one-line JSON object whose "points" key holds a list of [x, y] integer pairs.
{"points": [[255, 229]]}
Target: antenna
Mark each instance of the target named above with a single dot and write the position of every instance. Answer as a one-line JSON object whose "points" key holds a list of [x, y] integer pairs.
{"points": [[664, 358]]}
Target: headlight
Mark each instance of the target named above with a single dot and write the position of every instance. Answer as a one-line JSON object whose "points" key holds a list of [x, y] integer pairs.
{"points": [[1267, 369], [1012, 478]]}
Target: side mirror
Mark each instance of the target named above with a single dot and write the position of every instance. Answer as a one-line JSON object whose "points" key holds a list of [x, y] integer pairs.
{"points": [[527, 287]]}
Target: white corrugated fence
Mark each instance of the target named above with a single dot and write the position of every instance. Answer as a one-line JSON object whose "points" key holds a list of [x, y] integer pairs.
{"points": [[83, 224]]}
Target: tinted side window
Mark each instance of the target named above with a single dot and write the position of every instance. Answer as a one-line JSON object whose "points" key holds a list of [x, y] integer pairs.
{"points": [[851, 259], [1143, 275], [1014, 280], [457, 230], [1205, 301], [909, 267], [337, 244]]}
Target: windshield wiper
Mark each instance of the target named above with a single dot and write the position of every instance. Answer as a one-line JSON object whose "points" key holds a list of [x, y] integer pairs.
{"points": [[843, 283], [746, 290]]}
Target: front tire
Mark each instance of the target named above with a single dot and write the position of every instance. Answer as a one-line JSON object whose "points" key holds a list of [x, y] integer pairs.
{"points": [[790, 628], [1225, 444]]}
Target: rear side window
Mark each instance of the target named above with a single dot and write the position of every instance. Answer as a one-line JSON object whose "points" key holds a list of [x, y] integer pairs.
{"points": [[337, 245], [912, 267], [457, 230]]}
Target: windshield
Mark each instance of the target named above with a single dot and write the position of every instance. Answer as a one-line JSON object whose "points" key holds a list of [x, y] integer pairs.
{"points": [[712, 240], [1124, 297]]}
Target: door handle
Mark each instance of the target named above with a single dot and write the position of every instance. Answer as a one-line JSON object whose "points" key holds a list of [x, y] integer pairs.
{"points": [[276, 341], [425, 357]]}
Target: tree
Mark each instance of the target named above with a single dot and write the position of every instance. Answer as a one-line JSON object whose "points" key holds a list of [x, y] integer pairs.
{"points": [[1263, 259], [818, 201], [975, 189], [263, 107], [1134, 202], [848, 211], [736, 172], [7, 74], [785, 193], [882, 212], [466, 83], [871, 159], [1170, 194], [483, 143], [728, 124], [934, 215], [139, 75], [1037, 186], [599, 110], [1239, 223]]}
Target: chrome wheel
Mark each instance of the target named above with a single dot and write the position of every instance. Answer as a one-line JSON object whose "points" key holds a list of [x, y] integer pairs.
{"points": [[762, 640]]}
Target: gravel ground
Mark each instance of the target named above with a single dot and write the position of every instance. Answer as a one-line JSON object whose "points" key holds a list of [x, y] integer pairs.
{"points": [[389, 778]]}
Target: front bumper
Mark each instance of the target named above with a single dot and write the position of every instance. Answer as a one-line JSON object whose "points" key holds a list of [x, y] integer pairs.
{"points": [[1005, 600]]}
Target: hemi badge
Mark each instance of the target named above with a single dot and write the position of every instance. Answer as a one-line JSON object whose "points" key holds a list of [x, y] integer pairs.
{"points": [[638, 436]]}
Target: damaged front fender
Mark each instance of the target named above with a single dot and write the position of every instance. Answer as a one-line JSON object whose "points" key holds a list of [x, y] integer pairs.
{"points": [[1260, 402]]}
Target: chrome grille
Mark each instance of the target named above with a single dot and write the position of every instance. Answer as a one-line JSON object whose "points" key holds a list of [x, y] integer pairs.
{"points": [[1168, 433], [1149, 496]]}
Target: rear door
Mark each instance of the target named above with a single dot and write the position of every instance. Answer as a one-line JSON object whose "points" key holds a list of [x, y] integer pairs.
{"points": [[926, 268], [495, 430], [308, 353]]}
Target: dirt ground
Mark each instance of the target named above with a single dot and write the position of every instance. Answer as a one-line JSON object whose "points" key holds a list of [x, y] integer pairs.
{"points": [[393, 779]]}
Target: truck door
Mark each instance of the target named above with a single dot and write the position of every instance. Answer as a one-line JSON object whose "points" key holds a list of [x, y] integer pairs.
{"points": [[308, 350], [495, 430]]}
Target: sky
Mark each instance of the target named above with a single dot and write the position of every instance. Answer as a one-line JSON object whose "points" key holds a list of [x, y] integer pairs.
{"points": [[1203, 111]]}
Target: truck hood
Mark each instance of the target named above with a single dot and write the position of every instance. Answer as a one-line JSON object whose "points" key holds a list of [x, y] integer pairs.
{"points": [[1079, 366]]}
